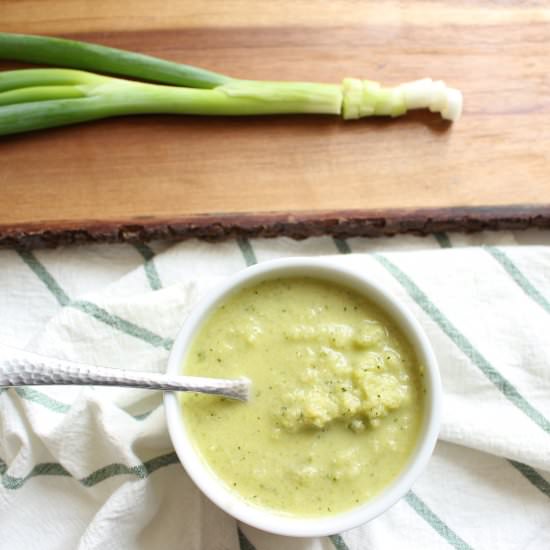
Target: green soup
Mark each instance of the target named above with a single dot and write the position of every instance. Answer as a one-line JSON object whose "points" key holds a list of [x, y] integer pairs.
{"points": [[337, 396]]}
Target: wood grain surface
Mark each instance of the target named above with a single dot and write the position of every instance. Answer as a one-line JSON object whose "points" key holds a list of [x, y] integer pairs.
{"points": [[158, 171]]}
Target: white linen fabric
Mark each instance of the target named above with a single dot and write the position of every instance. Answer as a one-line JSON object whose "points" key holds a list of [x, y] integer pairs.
{"points": [[93, 468]]}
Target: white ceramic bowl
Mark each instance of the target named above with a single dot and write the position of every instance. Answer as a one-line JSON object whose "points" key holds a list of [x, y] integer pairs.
{"points": [[266, 519]]}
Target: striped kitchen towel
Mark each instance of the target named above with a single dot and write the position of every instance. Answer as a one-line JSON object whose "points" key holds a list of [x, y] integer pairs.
{"points": [[93, 468]]}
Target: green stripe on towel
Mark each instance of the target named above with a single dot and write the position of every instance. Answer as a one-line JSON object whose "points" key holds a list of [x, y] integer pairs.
{"points": [[532, 476], [338, 542], [443, 240], [44, 275], [120, 324], [35, 396], [46, 469], [422, 509], [247, 251], [244, 543], [149, 265], [521, 280], [114, 321], [141, 471], [342, 245]]}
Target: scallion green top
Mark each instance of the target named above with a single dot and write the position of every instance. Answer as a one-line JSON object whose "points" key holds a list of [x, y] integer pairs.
{"points": [[46, 50]]}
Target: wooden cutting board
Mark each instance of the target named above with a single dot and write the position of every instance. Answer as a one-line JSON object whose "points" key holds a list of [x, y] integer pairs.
{"points": [[160, 176]]}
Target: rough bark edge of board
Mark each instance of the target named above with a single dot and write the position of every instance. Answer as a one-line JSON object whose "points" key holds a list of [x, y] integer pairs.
{"points": [[299, 225]]}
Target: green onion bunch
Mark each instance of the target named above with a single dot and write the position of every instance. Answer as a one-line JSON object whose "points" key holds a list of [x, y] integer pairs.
{"points": [[33, 99]]}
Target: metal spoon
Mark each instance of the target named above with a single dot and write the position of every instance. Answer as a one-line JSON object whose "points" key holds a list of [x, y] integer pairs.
{"points": [[23, 368]]}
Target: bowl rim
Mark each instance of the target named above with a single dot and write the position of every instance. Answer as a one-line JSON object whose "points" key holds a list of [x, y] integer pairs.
{"points": [[264, 518]]}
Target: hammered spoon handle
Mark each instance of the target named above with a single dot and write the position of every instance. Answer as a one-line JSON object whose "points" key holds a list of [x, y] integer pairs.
{"points": [[24, 368]]}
